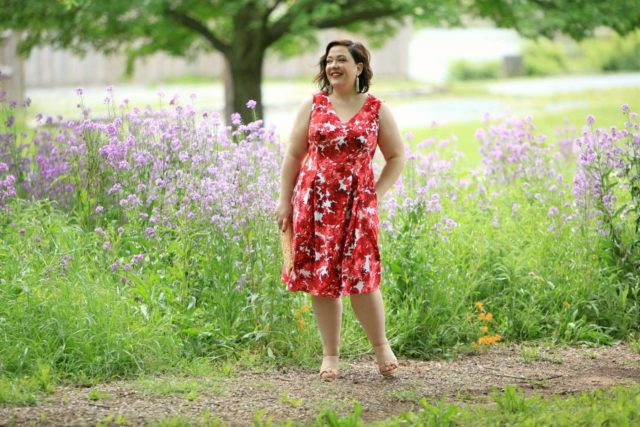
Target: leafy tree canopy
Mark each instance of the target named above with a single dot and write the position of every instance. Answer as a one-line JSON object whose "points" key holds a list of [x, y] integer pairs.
{"points": [[243, 30]]}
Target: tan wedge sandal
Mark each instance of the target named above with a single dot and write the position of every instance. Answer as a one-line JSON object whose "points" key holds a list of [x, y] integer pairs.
{"points": [[329, 369], [386, 360]]}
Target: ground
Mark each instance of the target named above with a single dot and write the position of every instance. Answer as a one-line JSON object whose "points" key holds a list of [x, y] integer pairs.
{"points": [[299, 395]]}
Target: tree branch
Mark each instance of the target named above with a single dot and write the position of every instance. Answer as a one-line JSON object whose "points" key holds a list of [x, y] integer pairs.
{"points": [[197, 26], [359, 15], [282, 25], [273, 7]]}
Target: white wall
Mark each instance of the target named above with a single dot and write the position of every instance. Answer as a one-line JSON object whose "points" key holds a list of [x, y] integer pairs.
{"points": [[432, 50]]}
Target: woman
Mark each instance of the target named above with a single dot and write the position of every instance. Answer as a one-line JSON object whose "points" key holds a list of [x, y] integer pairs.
{"points": [[329, 196]]}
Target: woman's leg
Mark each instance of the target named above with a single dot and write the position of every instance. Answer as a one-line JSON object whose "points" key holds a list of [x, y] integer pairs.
{"points": [[369, 310], [328, 312]]}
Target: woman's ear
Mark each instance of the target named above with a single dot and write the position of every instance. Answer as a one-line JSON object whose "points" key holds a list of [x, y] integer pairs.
{"points": [[360, 67]]}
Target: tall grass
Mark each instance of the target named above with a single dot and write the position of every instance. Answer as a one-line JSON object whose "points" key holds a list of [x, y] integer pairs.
{"points": [[136, 267]]}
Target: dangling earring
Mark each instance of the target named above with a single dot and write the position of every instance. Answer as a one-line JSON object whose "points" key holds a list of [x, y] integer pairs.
{"points": [[358, 83]]}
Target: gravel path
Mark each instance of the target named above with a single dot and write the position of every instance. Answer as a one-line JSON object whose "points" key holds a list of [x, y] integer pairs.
{"points": [[298, 395]]}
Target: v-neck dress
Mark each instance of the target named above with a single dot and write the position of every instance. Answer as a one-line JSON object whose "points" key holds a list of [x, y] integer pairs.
{"points": [[335, 207]]}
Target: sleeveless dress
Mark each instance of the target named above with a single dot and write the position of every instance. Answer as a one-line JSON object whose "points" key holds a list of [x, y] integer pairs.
{"points": [[335, 207]]}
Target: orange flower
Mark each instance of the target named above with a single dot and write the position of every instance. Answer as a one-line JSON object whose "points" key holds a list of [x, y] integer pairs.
{"points": [[484, 328], [489, 339], [489, 317], [481, 316], [300, 324], [479, 305]]}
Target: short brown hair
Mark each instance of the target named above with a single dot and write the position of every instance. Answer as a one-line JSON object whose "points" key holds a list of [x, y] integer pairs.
{"points": [[360, 55]]}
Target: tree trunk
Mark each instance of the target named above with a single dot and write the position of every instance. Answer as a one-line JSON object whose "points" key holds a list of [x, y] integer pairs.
{"points": [[243, 82], [244, 61]]}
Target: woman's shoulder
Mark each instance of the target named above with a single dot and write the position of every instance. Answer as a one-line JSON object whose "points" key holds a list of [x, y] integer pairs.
{"points": [[374, 97], [375, 102], [319, 97]]}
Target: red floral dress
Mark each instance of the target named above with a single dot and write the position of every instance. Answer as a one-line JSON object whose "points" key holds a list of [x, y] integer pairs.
{"points": [[335, 207]]}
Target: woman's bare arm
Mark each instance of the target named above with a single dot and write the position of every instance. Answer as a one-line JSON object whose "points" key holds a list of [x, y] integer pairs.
{"points": [[296, 151], [392, 148]]}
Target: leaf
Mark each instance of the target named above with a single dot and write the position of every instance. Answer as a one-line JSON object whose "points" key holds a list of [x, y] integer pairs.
{"points": [[145, 311]]}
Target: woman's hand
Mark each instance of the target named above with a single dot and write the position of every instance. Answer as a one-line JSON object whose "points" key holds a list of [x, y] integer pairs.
{"points": [[284, 214]]}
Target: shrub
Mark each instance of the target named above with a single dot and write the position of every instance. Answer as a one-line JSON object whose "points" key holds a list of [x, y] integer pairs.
{"points": [[544, 57], [463, 70]]}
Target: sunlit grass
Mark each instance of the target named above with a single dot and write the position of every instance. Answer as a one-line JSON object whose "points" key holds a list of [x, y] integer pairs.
{"points": [[66, 313]]}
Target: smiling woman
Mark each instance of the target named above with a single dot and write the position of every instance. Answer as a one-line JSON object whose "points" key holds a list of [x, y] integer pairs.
{"points": [[329, 200]]}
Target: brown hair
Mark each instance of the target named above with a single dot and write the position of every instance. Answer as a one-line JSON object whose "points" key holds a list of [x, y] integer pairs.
{"points": [[360, 55]]}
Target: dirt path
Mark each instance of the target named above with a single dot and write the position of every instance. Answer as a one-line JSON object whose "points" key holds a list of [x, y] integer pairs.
{"points": [[299, 395]]}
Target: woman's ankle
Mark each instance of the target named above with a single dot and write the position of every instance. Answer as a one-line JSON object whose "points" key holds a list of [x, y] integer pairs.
{"points": [[382, 345]]}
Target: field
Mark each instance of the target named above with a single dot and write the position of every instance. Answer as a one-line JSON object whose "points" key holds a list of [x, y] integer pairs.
{"points": [[140, 245]]}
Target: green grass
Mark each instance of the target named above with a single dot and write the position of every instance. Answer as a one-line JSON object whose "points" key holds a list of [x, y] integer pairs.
{"points": [[60, 309], [619, 405], [65, 316], [177, 386], [19, 391]]}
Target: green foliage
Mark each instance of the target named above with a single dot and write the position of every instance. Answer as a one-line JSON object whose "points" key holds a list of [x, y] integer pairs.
{"points": [[619, 405], [243, 30], [613, 52], [331, 419], [59, 312], [544, 58], [463, 70], [206, 420], [577, 19], [66, 314], [23, 391], [603, 53]]}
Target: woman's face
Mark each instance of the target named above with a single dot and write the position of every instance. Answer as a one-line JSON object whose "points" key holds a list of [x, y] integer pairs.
{"points": [[341, 68]]}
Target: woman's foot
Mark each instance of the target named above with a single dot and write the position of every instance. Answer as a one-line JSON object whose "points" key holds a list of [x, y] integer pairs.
{"points": [[386, 360], [329, 369]]}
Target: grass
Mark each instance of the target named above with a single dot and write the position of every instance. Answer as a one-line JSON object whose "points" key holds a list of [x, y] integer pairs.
{"points": [[619, 405], [531, 354], [406, 395], [177, 386], [19, 391], [616, 406], [66, 317], [97, 395]]}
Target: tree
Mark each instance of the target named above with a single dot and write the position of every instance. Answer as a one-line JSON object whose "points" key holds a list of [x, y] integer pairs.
{"points": [[243, 30]]}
